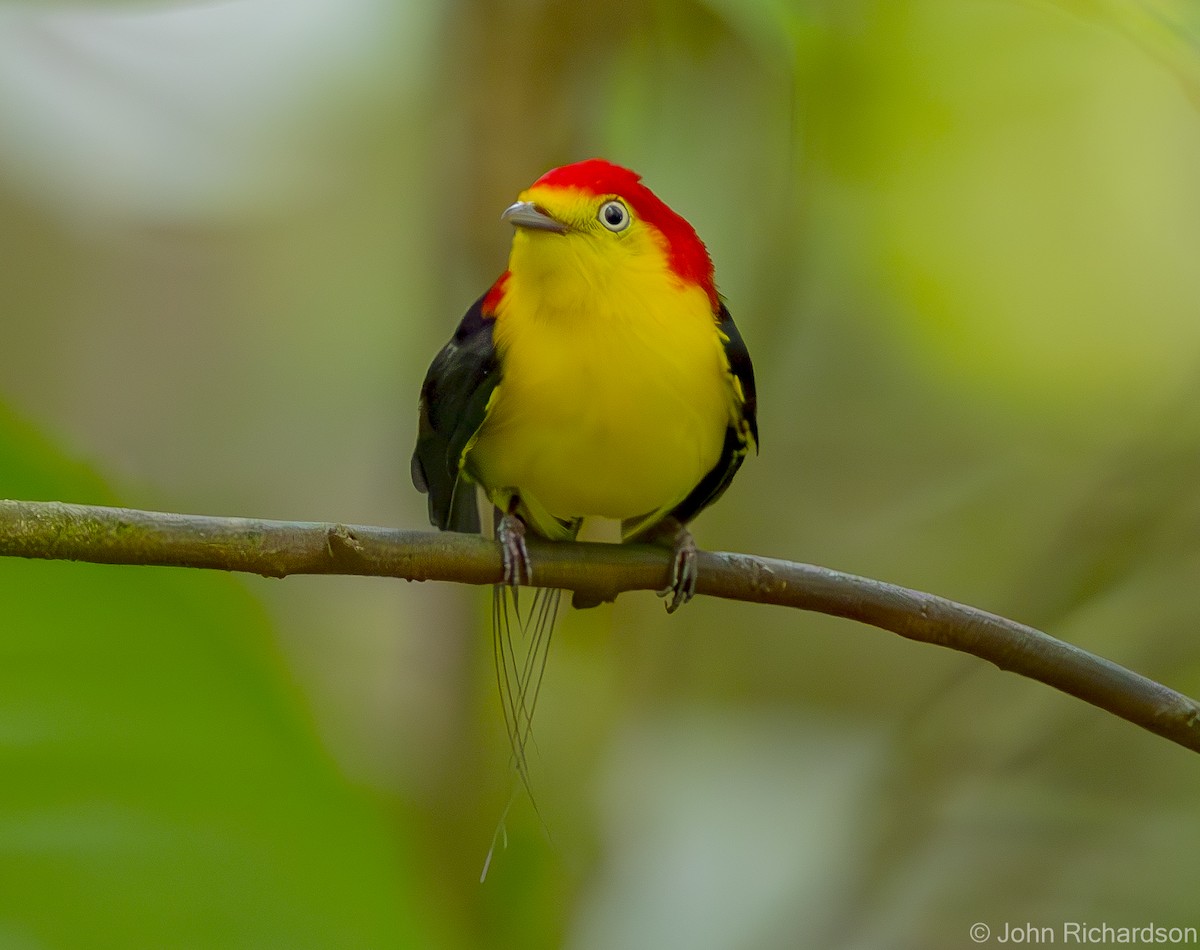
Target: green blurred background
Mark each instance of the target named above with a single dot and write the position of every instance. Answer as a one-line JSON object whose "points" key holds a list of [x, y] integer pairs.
{"points": [[962, 240]]}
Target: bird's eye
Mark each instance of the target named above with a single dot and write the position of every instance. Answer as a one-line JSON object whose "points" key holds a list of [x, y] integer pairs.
{"points": [[614, 216]]}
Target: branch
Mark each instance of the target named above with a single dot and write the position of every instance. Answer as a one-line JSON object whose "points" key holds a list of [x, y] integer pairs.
{"points": [[55, 531]]}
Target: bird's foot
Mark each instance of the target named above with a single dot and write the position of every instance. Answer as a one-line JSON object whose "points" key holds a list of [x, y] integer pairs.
{"points": [[683, 563], [510, 532]]}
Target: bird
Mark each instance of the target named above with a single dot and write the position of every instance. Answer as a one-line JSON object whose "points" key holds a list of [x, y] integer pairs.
{"points": [[601, 376]]}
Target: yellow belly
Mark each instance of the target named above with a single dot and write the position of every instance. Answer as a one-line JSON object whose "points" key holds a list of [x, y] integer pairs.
{"points": [[615, 412]]}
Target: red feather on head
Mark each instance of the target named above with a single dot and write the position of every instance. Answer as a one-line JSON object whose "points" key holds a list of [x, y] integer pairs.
{"points": [[686, 254]]}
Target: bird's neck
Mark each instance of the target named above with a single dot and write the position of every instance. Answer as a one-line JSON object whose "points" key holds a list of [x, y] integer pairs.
{"points": [[569, 280]]}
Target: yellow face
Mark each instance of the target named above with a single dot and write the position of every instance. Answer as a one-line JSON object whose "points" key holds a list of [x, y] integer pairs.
{"points": [[600, 250]]}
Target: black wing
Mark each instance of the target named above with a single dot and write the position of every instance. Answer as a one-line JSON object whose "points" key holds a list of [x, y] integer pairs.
{"points": [[738, 438], [454, 400]]}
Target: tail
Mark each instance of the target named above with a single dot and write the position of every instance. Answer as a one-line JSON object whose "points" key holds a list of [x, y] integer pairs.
{"points": [[521, 664]]}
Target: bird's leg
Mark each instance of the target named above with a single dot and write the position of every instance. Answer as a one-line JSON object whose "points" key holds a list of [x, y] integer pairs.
{"points": [[672, 533], [510, 532]]}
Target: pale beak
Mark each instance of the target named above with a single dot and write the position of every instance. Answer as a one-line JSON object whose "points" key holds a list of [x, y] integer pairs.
{"points": [[525, 214]]}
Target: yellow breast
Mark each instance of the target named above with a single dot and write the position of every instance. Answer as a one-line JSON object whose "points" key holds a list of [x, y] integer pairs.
{"points": [[615, 391]]}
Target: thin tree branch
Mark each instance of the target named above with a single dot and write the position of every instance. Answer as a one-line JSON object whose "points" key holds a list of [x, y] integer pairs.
{"points": [[56, 531]]}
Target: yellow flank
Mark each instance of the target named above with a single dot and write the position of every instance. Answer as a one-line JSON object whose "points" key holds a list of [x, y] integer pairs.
{"points": [[616, 391]]}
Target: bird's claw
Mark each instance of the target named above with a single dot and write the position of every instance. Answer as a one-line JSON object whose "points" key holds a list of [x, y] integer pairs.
{"points": [[518, 569], [683, 571]]}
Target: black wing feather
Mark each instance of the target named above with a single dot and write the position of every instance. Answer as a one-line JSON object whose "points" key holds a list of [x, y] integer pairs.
{"points": [[738, 439], [454, 400]]}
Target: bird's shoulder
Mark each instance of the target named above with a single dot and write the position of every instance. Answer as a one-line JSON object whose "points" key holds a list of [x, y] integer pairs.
{"points": [[453, 403], [741, 368]]}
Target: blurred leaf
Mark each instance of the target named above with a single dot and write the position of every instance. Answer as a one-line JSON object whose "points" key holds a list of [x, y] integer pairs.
{"points": [[1168, 30], [161, 785], [1035, 212]]}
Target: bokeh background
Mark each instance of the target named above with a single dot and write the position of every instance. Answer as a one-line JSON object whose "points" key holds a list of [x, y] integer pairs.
{"points": [[962, 240]]}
